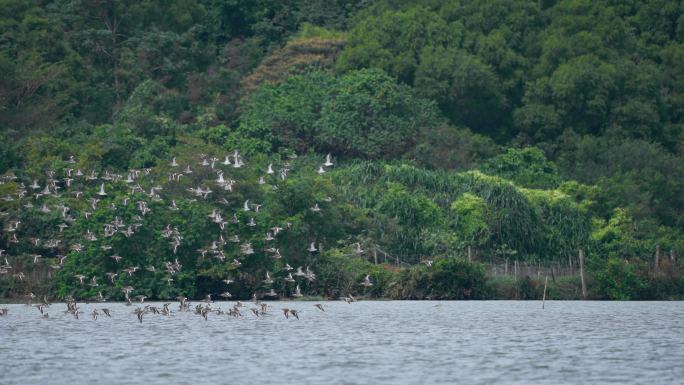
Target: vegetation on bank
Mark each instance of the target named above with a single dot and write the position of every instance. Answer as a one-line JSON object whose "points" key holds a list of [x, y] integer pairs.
{"points": [[495, 131]]}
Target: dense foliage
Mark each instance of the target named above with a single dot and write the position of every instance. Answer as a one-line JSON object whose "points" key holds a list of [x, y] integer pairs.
{"points": [[465, 129]]}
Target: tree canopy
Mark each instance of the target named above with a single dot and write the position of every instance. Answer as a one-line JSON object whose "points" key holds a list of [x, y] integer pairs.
{"points": [[519, 128]]}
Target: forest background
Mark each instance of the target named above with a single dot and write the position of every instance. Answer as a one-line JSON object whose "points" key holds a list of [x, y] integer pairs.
{"points": [[478, 145]]}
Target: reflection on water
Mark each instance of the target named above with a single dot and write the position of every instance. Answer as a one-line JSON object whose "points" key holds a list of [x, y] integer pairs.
{"points": [[369, 342]]}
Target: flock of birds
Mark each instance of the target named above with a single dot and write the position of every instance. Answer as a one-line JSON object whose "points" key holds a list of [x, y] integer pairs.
{"points": [[258, 309], [90, 188]]}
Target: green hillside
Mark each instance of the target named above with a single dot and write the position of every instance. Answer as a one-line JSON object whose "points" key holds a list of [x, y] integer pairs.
{"points": [[434, 149]]}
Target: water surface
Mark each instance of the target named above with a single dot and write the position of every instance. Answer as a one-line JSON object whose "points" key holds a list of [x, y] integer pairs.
{"points": [[367, 342]]}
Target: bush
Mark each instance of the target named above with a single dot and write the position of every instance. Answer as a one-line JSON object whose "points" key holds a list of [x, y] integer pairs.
{"points": [[618, 279]]}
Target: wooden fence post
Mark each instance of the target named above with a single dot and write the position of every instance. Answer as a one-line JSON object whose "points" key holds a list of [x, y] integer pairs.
{"points": [[584, 284], [515, 269], [546, 282], [656, 262]]}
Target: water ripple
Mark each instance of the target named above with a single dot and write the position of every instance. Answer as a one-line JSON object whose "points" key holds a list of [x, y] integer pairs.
{"points": [[382, 342]]}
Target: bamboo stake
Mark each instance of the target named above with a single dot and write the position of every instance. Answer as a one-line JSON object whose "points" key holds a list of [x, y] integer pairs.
{"points": [[584, 284], [546, 282]]}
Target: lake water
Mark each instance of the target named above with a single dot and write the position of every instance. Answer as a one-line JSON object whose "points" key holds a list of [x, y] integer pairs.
{"points": [[367, 342]]}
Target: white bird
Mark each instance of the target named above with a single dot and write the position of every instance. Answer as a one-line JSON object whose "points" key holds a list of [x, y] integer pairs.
{"points": [[298, 292], [102, 190], [247, 249], [270, 169], [328, 161], [173, 162], [268, 279], [312, 247]]}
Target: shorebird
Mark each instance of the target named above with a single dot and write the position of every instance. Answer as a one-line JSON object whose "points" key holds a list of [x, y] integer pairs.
{"points": [[40, 307], [139, 313], [183, 302], [328, 161], [320, 307], [294, 313], [268, 279], [298, 292], [366, 281]]}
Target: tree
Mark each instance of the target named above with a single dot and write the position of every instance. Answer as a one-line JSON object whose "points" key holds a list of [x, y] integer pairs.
{"points": [[368, 115], [527, 167], [467, 90], [360, 114], [471, 218]]}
